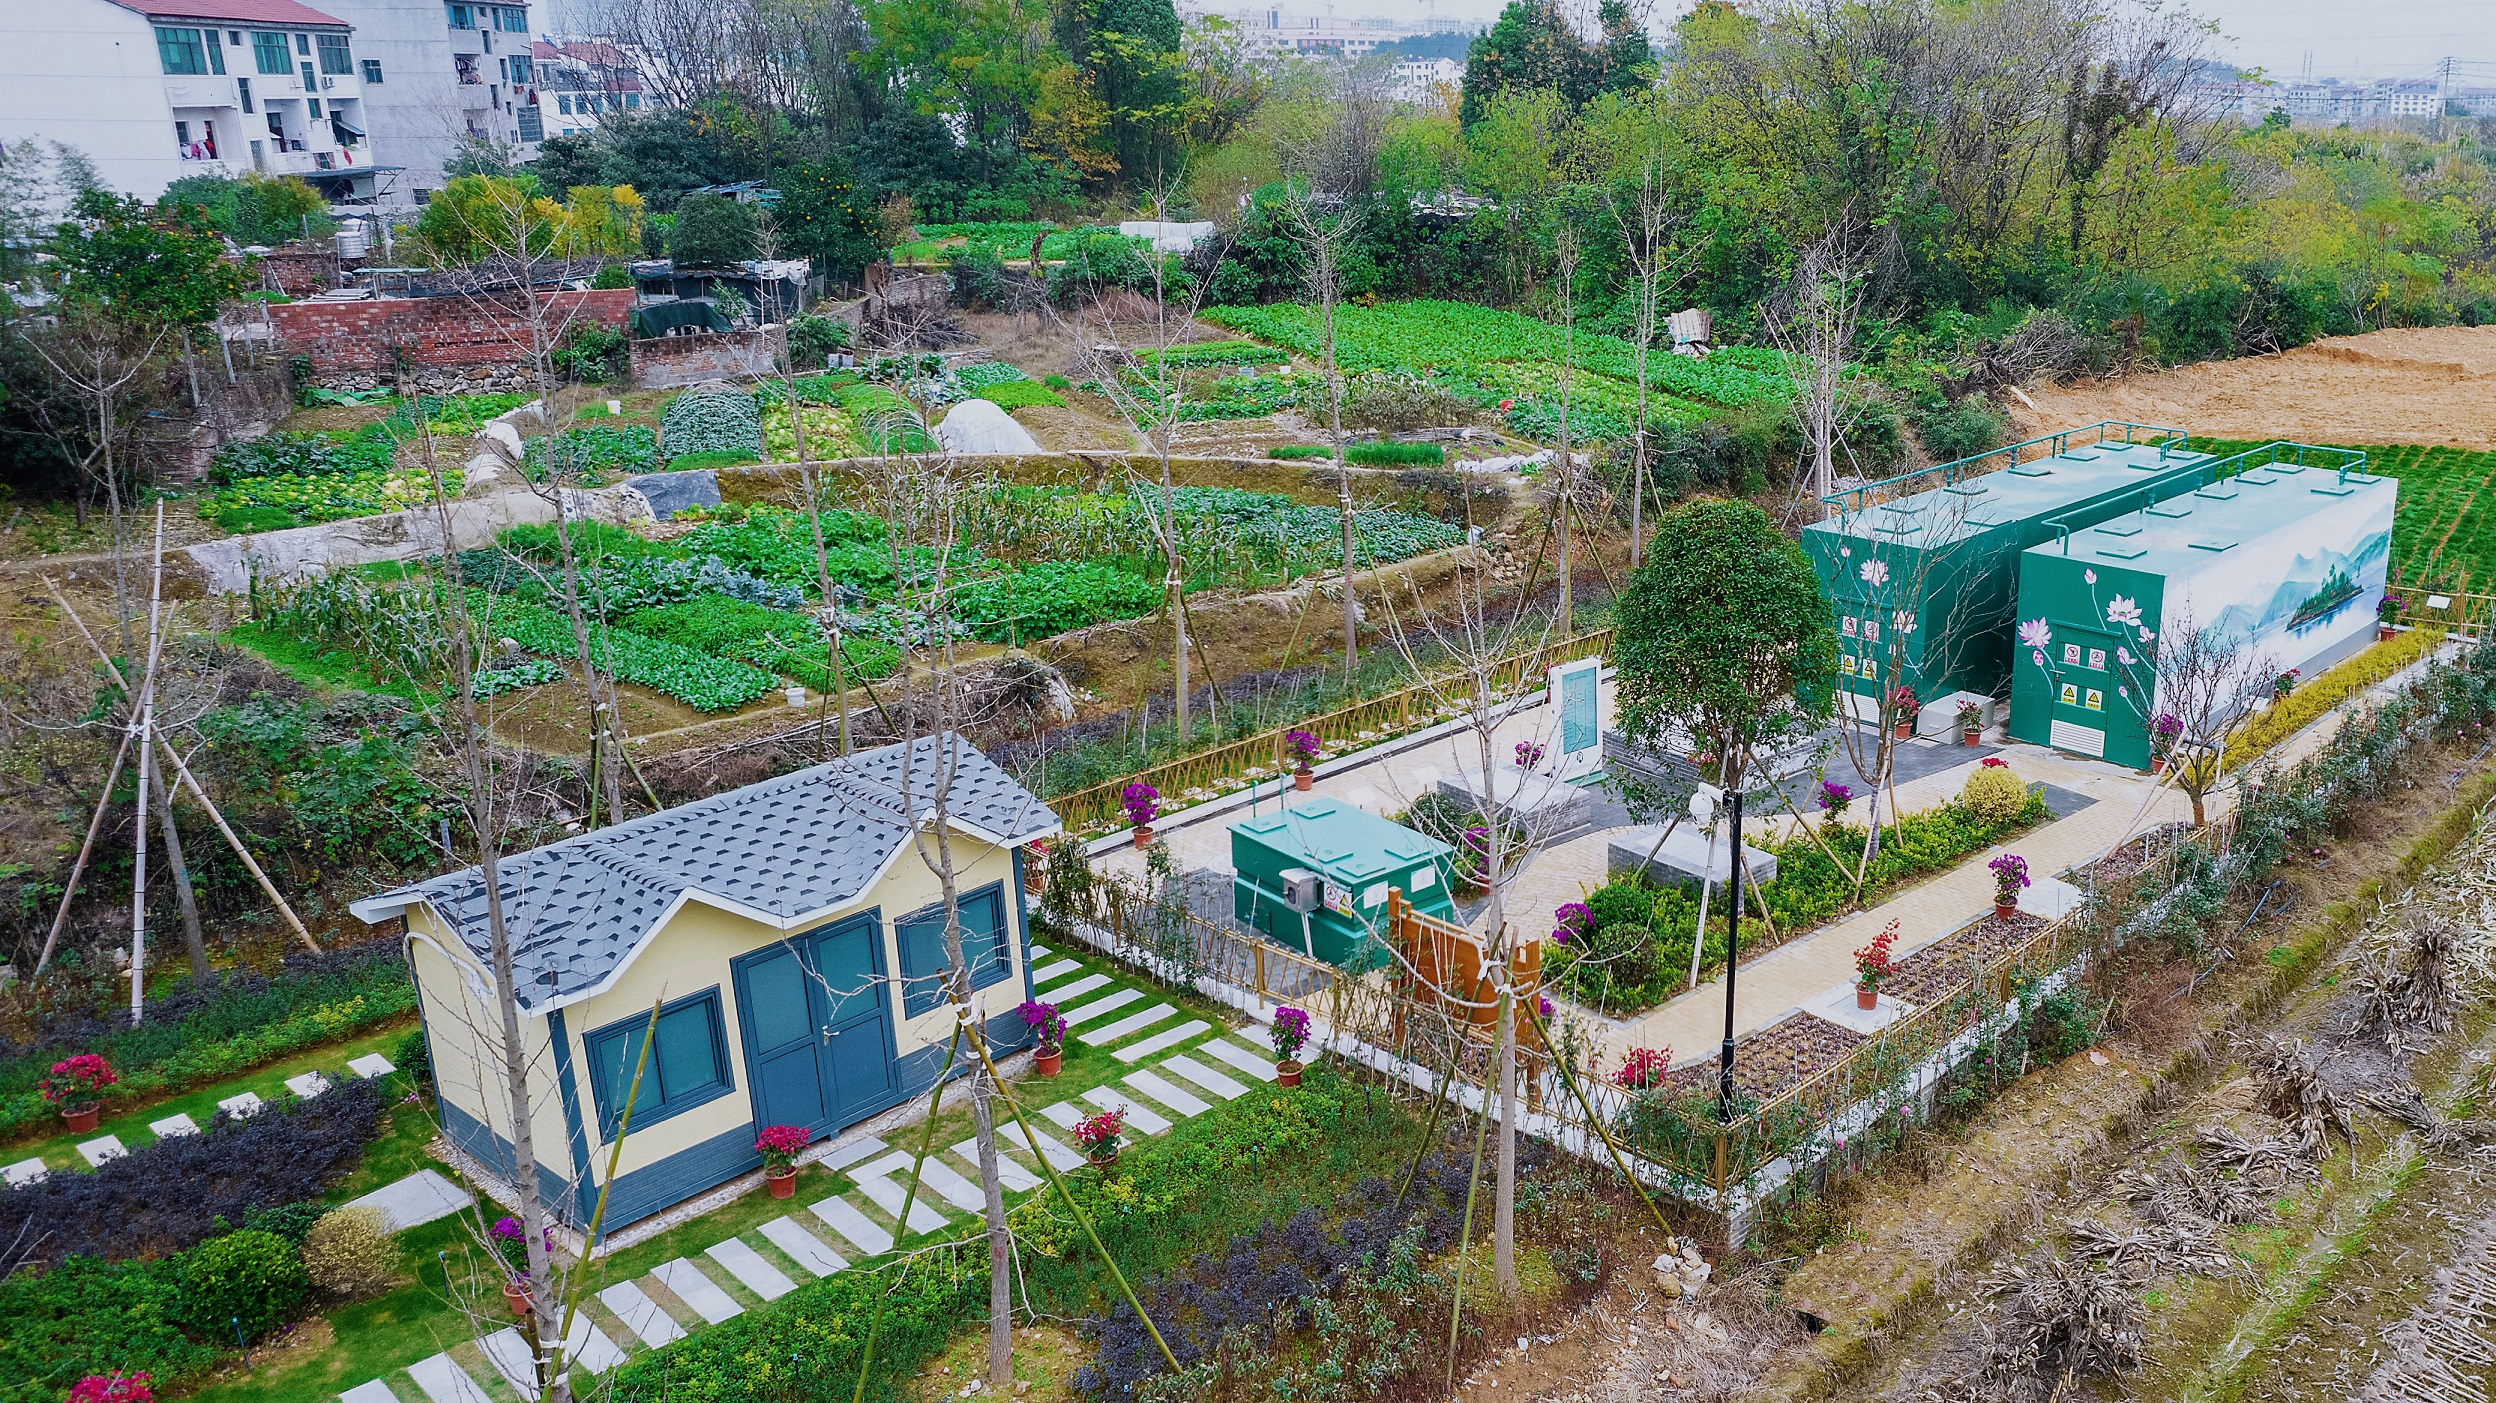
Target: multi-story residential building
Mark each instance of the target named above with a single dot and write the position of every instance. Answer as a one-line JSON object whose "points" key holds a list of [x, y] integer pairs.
{"points": [[441, 76], [1421, 80], [1272, 32], [582, 82], [155, 90]]}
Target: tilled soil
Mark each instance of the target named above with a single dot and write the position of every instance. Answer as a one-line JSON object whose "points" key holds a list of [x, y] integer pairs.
{"points": [[2433, 385]]}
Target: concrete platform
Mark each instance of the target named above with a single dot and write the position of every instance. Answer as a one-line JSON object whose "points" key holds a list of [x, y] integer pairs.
{"points": [[1681, 857]]}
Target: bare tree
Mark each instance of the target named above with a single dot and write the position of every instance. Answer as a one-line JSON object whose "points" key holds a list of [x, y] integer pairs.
{"points": [[1326, 228], [684, 48], [1644, 226], [1814, 321], [1565, 257], [2210, 680], [110, 367]]}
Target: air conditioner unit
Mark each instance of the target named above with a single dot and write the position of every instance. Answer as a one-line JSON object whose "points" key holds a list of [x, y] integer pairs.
{"points": [[1303, 890]]}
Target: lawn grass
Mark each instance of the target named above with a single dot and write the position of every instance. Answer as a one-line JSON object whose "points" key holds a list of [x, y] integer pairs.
{"points": [[269, 1083], [317, 666]]}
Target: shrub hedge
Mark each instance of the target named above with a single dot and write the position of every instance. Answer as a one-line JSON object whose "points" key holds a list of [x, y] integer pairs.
{"points": [[807, 1344], [1394, 454], [2308, 703]]}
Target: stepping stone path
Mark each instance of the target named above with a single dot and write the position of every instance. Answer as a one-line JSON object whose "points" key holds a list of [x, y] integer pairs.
{"points": [[102, 1148], [178, 1124], [307, 1086], [241, 1107], [370, 1065], [24, 1172], [1175, 1071]]}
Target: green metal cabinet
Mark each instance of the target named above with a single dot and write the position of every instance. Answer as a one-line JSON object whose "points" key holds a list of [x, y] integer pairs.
{"points": [[1314, 876], [1942, 564], [2285, 547]]}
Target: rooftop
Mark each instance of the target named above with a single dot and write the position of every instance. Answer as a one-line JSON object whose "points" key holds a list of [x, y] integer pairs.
{"points": [[787, 852], [261, 12], [2022, 492], [2186, 530]]}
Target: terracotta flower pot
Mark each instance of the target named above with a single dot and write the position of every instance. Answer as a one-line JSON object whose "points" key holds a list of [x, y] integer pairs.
{"points": [[516, 1296], [1104, 1160], [1867, 996], [783, 1181], [1972, 737], [2158, 764], [1906, 730], [2004, 910], [1047, 1060], [1287, 1073], [2384, 632], [1301, 779], [82, 1118], [1143, 835]]}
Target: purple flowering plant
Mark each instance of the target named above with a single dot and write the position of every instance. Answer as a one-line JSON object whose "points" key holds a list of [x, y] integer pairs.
{"points": [[1301, 747], [1834, 798], [1570, 920], [1045, 1022], [2010, 873], [1291, 1033], [1142, 801]]}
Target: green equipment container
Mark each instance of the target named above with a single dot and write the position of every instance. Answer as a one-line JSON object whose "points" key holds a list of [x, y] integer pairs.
{"points": [[2283, 548], [1314, 877], [1937, 551]]}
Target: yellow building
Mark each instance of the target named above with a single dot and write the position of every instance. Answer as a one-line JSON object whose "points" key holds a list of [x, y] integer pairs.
{"points": [[791, 934]]}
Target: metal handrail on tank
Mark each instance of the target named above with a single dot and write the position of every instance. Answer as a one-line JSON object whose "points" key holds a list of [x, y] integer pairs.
{"points": [[2216, 471], [1851, 500]]}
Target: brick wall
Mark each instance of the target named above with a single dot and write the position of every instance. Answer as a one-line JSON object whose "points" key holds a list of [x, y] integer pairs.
{"points": [[301, 271], [664, 362], [373, 339]]}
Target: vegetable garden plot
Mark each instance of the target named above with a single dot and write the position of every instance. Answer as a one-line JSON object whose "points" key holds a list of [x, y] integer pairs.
{"points": [[1489, 355]]}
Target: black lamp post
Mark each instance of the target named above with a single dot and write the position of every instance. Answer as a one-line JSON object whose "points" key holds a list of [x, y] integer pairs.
{"points": [[1733, 960]]}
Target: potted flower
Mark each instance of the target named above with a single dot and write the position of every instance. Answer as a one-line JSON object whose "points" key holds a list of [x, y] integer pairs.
{"points": [[1971, 722], [1036, 867], [1644, 1069], [1904, 703], [779, 1145], [1099, 1136], [2010, 873], [1142, 801], [1048, 1028], [2162, 737], [511, 1243], [1301, 748], [75, 1087], [2283, 684], [1291, 1033], [2386, 611], [1834, 798], [1872, 965], [1528, 755]]}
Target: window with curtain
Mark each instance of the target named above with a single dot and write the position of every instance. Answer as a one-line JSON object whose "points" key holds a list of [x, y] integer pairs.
{"points": [[921, 935], [181, 51], [334, 55], [512, 19], [268, 53], [688, 1063], [462, 17]]}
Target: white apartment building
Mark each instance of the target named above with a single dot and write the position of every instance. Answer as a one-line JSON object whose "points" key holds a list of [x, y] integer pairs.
{"points": [[1420, 80], [449, 73], [155, 90], [582, 82], [1274, 32]]}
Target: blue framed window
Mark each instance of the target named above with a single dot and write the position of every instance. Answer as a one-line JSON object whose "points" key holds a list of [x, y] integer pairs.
{"points": [[512, 19], [921, 935], [461, 16], [688, 1062], [334, 55], [268, 53], [180, 51]]}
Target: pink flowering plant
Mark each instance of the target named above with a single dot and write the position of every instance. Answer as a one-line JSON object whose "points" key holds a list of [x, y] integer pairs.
{"points": [[779, 1145], [1291, 1033], [1045, 1022], [1301, 747], [1099, 1134], [1142, 802], [1644, 1069], [77, 1083], [116, 1387], [1569, 920], [1834, 798], [2010, 873], [511, 1243]]}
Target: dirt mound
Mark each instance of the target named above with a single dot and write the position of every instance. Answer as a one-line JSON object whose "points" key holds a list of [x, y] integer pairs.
{"points": [[2430, 385]]}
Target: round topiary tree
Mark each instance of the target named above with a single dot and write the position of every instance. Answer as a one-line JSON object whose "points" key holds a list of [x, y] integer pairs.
{"points": [[711, 231], [1994, 794], [248, 1280], [350, 1252]]}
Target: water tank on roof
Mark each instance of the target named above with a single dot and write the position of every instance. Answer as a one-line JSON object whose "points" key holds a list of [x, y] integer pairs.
{"points": [[354, 239]]}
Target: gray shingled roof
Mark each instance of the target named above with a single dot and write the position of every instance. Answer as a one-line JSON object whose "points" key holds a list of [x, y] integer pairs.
{"points": [[783, 851]]}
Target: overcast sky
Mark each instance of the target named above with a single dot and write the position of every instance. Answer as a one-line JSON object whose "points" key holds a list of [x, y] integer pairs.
{"points": [[2348, 38]]}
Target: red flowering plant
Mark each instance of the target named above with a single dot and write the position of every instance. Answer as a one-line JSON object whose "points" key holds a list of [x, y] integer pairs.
{"points": [[116, 1387], [1872, 962], [1099, 1134], [77, 1083], [779, 1145], [1644, 1069]]}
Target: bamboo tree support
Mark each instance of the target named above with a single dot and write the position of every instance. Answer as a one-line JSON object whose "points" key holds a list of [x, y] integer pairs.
{"points": [[1083, 1220], [1595, 1122], [95, 825], [909, 1200], [550, 1360], [143, 724], [1464, 1238], [1429, 1132], [175, 757]]}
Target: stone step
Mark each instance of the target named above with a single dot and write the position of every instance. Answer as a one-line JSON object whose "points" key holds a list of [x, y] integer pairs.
{"points": [[24, 1172], [514, 1360], [850, 1154], [641, 1315], [887, 1195], [1226, 1051], [1076, 1017], [1012, 1175], [170, 1126], [371, 1064], [748, 1266], [861, 1230], [1203, 1076], [1040, 952], [588, 1347], [443, 1381], [1143, 1118], [1076, 990], [374, 1391], [698, 1291], [803, 1247], [1064, 1114], [1128, 1026], [935, 1175], [1056, 970], [243, 1107], [102, 1148], [1060, 1157], [1166, 1038], [1185, 1103]]}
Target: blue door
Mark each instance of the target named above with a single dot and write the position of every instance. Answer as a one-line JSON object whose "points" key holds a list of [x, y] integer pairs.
{"points": [[818, 1038]]}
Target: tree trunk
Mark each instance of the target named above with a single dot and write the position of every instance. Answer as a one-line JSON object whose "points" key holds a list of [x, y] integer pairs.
{"points": [[1000, 1241], [184, 897], [1504, 1204]]}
